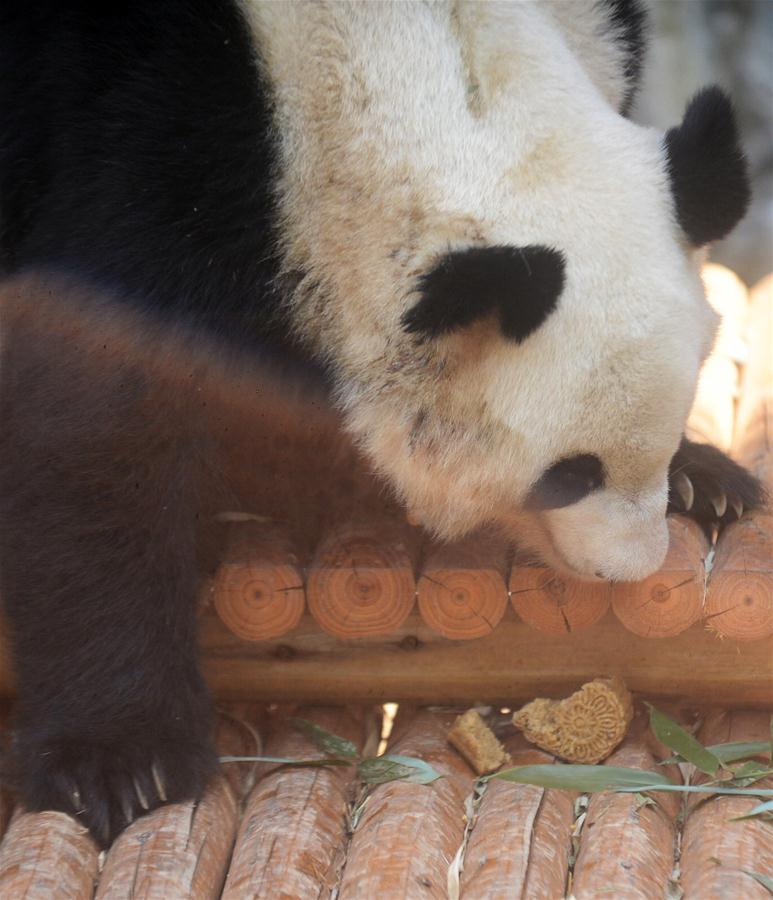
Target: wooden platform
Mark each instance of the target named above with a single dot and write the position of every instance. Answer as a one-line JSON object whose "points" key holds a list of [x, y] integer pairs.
{"points": [[269, 832]]}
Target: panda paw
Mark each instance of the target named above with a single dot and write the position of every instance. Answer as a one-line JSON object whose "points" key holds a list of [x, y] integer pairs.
{"points": [[709, 487], [108, 784]]}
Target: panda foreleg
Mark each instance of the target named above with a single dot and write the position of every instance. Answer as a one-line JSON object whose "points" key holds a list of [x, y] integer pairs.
{"points": [[710, 487], [98, 508]]}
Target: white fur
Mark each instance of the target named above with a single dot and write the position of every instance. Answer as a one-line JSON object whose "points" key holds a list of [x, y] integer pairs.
{"points": [[409, 129]]}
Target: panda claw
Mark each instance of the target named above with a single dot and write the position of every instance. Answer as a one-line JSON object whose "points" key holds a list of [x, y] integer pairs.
{"points": [[141, 795], [684, 488], [719, 502], [126, 809], [159, 782], [737, 506], [75, 797]]}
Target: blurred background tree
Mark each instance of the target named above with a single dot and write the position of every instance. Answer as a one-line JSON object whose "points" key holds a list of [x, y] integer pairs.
{"points": [[730, 43]]}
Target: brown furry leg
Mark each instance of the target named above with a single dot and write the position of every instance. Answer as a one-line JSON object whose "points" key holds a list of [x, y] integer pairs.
{"points": [[98, 516]]}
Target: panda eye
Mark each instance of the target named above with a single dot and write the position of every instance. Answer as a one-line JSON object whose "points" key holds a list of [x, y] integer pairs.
{"points": [[566, 482]]}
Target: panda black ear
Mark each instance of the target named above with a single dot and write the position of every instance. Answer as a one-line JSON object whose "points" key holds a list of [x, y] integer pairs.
{"points": [[709, 180], [520, 285]]}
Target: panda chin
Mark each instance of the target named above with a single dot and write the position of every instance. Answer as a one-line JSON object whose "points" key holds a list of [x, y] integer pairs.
{"points": [[539, 534]]}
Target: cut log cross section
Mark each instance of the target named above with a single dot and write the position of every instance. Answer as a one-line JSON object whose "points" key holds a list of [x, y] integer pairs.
{"points": [[362, 582], [463, 587]]}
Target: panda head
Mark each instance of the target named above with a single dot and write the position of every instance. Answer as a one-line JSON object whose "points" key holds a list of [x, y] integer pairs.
{"points": [[502, 271]]}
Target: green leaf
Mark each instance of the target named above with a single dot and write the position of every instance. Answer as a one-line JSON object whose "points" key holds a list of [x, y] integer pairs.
{"points": [[643, 800], [326, 741], [732, 752], [763, 809], [682, 742], [749, 772], [771, 738], [393, 767], [765, 880], [584, 778], [286, 761], [703, 789]]}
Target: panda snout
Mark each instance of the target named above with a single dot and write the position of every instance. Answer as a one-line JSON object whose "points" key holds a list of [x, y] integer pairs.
{"points": [[602, 540]]}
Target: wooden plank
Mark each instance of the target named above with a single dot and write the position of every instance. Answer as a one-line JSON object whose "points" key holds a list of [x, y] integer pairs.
{"points": [[514, 663]]}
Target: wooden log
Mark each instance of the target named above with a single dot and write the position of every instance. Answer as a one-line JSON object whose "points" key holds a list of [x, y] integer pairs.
{"points": [[293, 831], [520, 844], [671, 600], [753, 437], [408, 833], [739, 604], [740, 595], [717, 852], [512, 665], [626, 846], [179, 850], [462, 590], [712, 416], [45, 855], [362, 579], [555, 604], [258, 590]]}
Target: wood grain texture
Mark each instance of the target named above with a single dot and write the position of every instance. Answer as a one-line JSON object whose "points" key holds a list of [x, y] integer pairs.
{"points": [[408, 833], [45, 855], [462, 588], [179, 850], [556, 604], [258, 589], [362, 581], [514, 663], [671, 600], [626, 847], [519, 846], [293, 832], [716, 851]]}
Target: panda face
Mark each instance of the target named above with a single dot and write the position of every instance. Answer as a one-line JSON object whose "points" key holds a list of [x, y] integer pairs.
{"points": [[496, 265]]}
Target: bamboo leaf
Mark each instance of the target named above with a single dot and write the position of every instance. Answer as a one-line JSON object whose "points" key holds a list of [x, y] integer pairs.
{"points": [[703, 789], [393, 767], [749, 772], [326, 741], [763, 809], [731, 752], [286, 761], [682, 742], [584, 778], [765, 880]]}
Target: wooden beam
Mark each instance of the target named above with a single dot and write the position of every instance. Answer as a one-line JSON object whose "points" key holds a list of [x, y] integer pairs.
{"points": [[514, 663]]}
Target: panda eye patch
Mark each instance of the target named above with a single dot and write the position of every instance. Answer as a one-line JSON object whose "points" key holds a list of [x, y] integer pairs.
{"points": [[566, 482]]}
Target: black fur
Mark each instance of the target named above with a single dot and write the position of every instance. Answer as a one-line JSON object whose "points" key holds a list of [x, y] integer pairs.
{"points": [[713, 474], [98, 513], [521, 285], [566, 482], [628, 19], [709, 179], [136, 150]]}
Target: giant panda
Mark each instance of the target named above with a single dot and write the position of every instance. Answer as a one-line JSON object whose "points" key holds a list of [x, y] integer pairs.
{"points": [[427, 228]]}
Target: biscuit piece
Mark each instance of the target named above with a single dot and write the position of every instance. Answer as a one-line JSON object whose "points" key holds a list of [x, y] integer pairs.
{"points": [[477, 743]]}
